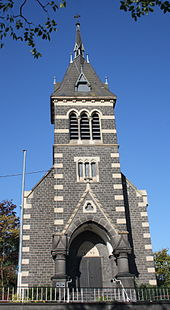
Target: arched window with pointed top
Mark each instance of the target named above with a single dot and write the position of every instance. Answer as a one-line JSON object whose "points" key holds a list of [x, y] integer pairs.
{"points": [[84, 127], [96, 126], [74, 132]]}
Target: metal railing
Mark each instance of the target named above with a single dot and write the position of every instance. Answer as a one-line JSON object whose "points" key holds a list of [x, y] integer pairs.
{"points": [[84, 295]]}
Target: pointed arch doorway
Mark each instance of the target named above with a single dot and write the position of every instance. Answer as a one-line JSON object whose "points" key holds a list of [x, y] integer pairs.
{"points": [[88, 263]]}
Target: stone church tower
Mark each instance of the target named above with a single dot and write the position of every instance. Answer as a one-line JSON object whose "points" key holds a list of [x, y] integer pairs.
{"points": [[85, 221]]}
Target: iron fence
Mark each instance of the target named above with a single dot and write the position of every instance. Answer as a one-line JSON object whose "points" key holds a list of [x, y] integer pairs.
{"points": [[73, 295]]}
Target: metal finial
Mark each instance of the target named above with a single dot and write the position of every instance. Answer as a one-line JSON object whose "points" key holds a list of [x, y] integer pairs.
{"points": [[71, 58], [54, 82], [106, 80], [87, 58]]}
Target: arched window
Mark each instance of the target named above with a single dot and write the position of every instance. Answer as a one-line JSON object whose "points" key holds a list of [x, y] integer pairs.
{"points": [[95, 126], [73, 126], [84, 127]]}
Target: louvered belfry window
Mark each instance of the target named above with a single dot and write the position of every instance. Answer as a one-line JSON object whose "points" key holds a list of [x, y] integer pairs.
{"points": [[73, 126], [84, 127], [95, 126]]}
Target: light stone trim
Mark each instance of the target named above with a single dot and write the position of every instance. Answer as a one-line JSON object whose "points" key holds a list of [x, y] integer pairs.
{"points": [[145, 224], [58, 222], [26, 216], [58, 155], [27, 205], [108, 130], [58, 186], [116, 175], [26, 227], [149, 258], [25, 261], [114, 155], [117, 186], [144, 214], [58, 210], [58, 176], [142, 204], [80, 103], [151, 270], [146, 235], [25, 249], [152, 282], [148, 246], [120, 209], [61, 130], [61, 117], [87, 158], [24, 284], [58, 165], [118, 197], [115, 165], [26, 237], [58, 198], [121, 221], [25, 273], [107, 117]]}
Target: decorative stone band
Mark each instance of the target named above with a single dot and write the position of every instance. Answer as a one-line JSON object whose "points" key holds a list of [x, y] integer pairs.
{"points": [[121, 221], [27, 205], [146, 235], [108, 130], [120, 209], [58, 155], [58, 175], [116, 176], [118, 197], [24, 284], [117, 186], [144, 214], [58, 198], [58, 210], [149, 258], [25, 273], [152, 282], [58, 222], [148, 246], [80, 103], [114, 155], [151, 270], [115, 165], [26, 227], [25, 261], [26, 216], [26, 237], [145, 224], [142, 204], [58, 186], [61, 130], [107, 117], [58, 165], [101, 117], [25, 249]]}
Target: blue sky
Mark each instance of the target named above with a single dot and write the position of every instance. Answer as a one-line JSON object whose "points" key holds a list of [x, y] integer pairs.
{"points": [[136, 58]]}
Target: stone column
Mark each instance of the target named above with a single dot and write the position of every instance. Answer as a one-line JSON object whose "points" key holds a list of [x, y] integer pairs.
{"points": [[121, 252], [59, 253]]}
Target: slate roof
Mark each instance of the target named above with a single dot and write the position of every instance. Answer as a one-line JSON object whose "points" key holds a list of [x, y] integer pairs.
{"points": [[67, 88]]}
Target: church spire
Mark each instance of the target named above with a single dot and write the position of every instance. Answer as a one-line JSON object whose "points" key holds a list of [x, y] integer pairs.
{"points": [[78, 47]]}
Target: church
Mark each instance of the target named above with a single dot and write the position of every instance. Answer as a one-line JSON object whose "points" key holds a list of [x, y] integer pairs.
{"points": [[85, 223]]}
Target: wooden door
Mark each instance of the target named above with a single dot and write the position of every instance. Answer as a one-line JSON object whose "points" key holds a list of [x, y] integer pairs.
{"points": [[90, 272]]}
